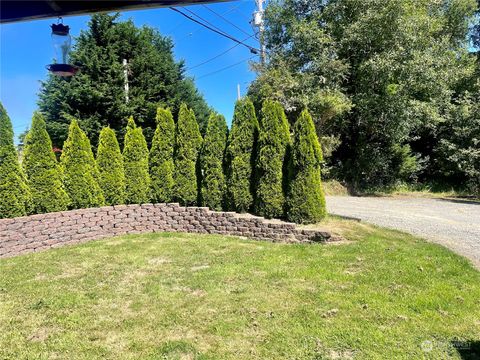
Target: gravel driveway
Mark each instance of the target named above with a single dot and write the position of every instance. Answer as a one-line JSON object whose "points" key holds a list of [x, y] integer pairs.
{"points": [[454, 224]]}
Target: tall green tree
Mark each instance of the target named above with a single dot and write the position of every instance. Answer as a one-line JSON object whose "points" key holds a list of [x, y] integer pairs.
{"points": [[273, 141], [161, 157], [213, 184], [96, 95], [306, 200], [80, 172], [110, 166], [15, 196], [135, 161], [241, 155], [187, 144], [42, 170]]}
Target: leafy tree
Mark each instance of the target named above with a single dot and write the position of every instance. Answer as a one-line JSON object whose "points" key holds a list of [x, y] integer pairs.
{"points": [[15, 196], [187, 144], [96, 95], [135, 161], [42, 170], [306, 200], [273, 140], [213, 185], [110, 166], [80, 172], [161, 157], [241, 155]]}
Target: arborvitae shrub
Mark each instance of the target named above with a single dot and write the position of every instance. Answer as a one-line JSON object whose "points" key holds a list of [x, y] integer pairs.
{"points": [[110, 167], [273, 140], [240, 156], [187, 144], [161, 157], [135, 161], [15, 196], [42, 170], [213, 186], [80, 173], [306, 200]]}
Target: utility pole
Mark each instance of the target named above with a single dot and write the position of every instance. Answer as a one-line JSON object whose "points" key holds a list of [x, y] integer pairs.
{"points": [[258, 21], [125, 73], [238, 92]]}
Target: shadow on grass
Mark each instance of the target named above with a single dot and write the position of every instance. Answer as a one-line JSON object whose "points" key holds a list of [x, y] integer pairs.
{"points": [[468, 350], [468, 201]]}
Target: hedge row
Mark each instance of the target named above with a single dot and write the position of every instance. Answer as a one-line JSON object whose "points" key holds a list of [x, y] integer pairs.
{"points": [[258, 167]]}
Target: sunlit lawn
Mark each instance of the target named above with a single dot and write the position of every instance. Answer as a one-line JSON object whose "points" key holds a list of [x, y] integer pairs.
{"points": [[380, 295]]}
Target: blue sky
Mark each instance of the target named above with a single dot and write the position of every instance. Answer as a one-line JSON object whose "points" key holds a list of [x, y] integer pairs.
{"points": [[26, 48]]}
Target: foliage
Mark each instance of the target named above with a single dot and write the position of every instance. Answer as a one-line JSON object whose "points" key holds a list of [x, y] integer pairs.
{"points": [[161, 157], [240, 156], [187, 144], [96, 94], [273, 141], [80, 172], [213, 186], [306, 200], [135, 162], [110, 166], [42, 170], [15, 196]]}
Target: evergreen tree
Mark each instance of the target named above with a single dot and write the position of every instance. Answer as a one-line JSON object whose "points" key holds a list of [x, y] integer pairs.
{"points": [[273, 139], [161, 157], [240, 156], [110, 166], [15, 196], [306, 200], [80, 172], [135, 161], [187, 144], [42, 170], [212, 191]]}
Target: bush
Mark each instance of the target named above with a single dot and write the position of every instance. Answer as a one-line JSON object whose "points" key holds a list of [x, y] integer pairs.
{"points": [[187, 144], [110, 166], [15, 196], [161, 157], [212, 191], [240, 156], [80, 173], [135, 161], [306, 200], [42, 170], [273, 140]]}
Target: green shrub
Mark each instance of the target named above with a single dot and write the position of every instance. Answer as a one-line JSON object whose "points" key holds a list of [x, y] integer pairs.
{"points": [[161, 157], [306, 200], [187, 144], [80, 173], [240, 156], [15, 196], [273, 140], [110, 167], [42, 170], [211, 163], [135, 161]]}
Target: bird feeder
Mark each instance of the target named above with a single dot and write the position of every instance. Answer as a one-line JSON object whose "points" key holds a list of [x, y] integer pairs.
{"points": [[62, 42]]}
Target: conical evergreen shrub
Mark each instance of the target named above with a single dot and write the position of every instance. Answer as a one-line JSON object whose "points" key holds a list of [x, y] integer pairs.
{"points": [[110, 167], [273, 140], [80, 173], [15, 196], [161, 157], [42, 170], [240, 156], [213, 185], [135, 161], [306, 200]]}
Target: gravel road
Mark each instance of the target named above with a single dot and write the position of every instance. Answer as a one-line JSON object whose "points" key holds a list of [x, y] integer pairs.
{"points": [[454, 224]]}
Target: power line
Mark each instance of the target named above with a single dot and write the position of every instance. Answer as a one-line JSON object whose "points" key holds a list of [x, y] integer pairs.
{"points": [[225, 68], [225, 19], [251, 48]]}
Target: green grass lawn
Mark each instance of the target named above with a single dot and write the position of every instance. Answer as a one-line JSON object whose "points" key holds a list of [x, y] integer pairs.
{"points": [[379, 295]]}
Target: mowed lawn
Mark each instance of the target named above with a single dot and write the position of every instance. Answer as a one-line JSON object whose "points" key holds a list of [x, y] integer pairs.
{"points": [[380, 295]]}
